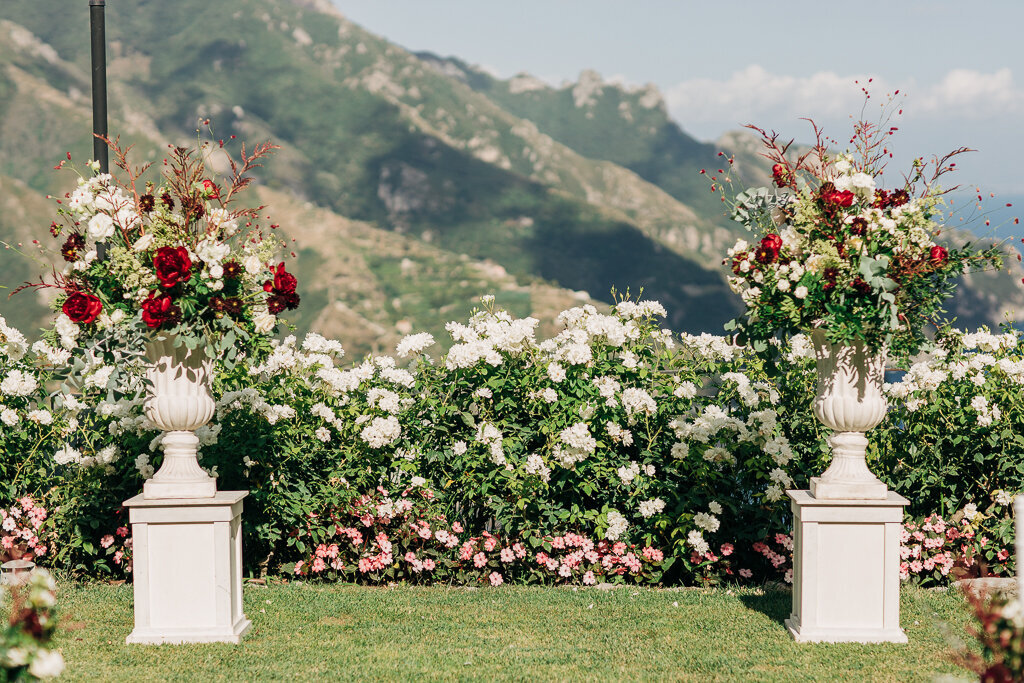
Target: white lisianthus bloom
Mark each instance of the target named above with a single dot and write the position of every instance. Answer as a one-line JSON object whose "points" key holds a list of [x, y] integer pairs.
{"points": [[862, 184]]}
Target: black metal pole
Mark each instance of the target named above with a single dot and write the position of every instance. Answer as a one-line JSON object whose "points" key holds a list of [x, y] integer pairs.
{"points": [[98, 29]]}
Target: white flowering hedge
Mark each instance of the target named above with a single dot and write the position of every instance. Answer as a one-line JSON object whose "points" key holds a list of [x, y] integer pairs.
{"points": [[613, 431]]}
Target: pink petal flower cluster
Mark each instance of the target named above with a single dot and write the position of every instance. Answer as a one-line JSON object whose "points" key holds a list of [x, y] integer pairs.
{"points": [[931, 549], [21, 535]]}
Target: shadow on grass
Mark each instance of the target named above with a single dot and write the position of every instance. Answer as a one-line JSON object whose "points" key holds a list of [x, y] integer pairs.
{"points": [[775, 604]]}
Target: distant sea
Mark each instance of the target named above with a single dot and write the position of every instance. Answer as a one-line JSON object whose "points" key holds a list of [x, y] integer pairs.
{"points": [[999, 216]]}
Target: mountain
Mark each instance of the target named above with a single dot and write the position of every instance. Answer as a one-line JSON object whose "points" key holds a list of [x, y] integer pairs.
{"points": [[411, 184]]}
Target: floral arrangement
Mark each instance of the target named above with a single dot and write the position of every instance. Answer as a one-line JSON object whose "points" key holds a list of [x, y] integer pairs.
{"points": [[832, 249], [999, 630], [180, 257], [24, 639]]}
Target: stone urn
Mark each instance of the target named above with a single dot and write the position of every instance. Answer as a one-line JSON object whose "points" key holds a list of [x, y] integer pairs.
{"points": [[850, 401], [178, 401]]}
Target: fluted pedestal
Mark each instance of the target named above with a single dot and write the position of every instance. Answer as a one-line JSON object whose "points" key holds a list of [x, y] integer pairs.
{"points": [[850, 401], [846, 569], [178, 402], [188, 569]]}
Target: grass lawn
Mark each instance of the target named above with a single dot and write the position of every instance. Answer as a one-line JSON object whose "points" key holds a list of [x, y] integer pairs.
{"points": [[313, 632]]}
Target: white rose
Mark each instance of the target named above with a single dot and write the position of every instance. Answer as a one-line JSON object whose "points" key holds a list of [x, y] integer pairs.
{"points": [[143, 243], [253, 265], [264, 322], [800, 292], [783, 285], [101, 227], [217, 272]]}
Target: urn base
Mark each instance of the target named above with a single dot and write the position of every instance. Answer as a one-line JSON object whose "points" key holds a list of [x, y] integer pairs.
{"points": [[861, 490], [166, 490]]}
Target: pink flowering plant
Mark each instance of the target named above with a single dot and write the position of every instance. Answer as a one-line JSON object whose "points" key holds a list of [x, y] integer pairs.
{"points": [[118, 550], [777, 550], [376, 538], [22, 532]]}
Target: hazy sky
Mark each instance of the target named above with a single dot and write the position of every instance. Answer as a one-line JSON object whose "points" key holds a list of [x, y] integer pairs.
{"points": [[723, 64]]}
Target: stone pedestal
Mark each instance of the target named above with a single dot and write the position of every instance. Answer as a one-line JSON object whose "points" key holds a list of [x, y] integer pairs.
{"points": [[846, 576], [187, 556]]}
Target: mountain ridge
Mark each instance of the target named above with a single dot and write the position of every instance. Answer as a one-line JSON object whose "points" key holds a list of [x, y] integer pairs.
{"points": [[504, 173]]}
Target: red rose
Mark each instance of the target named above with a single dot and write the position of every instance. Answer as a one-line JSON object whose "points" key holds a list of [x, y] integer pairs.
{"points": [[284, 282], [781, 175], [938, 255], [210, 189], [844, 198], [172, 265], [773, 242], [82, 308], [159, 310]]}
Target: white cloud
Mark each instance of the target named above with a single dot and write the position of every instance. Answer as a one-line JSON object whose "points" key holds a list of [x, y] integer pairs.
{"points": [[975, 95], [755, 95]]}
